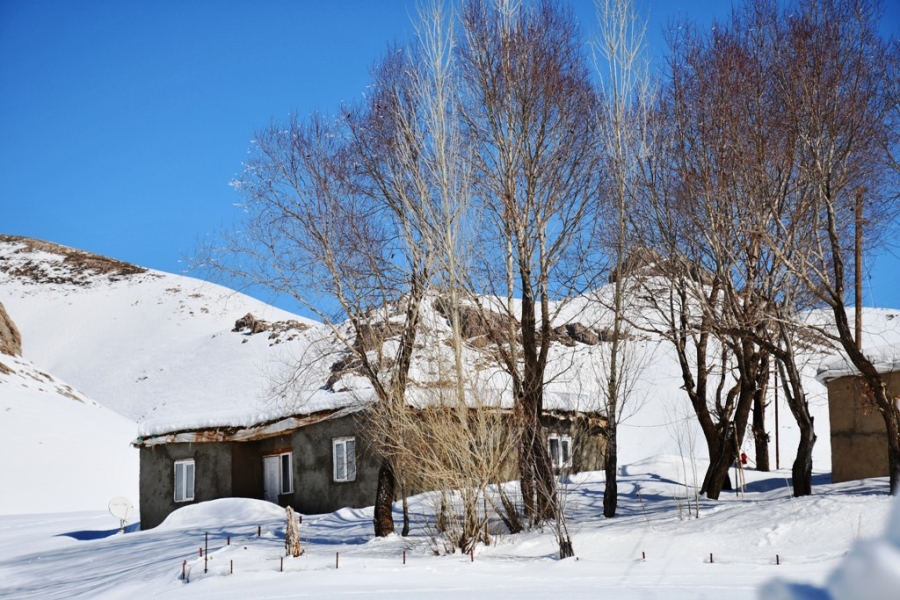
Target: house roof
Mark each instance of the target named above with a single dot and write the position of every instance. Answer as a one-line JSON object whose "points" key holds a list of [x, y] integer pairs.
{"points": [[886, 359], [258, 431], [250, 426]]}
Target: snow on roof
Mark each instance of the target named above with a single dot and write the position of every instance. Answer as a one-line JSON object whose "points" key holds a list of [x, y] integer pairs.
{"points": [[886, 359]]}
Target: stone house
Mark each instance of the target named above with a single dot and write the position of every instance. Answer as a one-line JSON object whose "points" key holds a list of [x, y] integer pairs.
{"points": [[858, 435], [316, 462]]}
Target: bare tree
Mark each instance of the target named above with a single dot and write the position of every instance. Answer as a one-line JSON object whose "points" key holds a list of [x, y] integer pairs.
{"points": [[327, 214], [624, 106], [842, 111], [529, 110]]}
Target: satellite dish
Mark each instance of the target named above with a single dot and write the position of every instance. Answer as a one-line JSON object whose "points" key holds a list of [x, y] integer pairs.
{"points": [[122, 509]]}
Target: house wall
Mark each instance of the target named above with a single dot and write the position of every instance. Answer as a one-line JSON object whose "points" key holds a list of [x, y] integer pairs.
{"points": [[315, 490], [212, 477], [858, 435], [234, 469]]}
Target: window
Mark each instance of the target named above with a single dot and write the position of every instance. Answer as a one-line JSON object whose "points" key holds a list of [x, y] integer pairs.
{"points": [[560, 450], [287, 474], [184, 480], [344, 454]]}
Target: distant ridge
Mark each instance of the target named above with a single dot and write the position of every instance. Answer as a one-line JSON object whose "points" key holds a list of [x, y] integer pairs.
{"points": [[76, 267]]}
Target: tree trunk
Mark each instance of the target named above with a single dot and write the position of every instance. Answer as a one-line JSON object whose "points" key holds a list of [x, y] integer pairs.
{"points": [[717, 478], [610, 467], [892, 425], [405, 531], [760, 436], [384, 500], [801, 471]]}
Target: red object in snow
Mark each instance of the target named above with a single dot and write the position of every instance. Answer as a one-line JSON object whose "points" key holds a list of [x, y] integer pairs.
{"points": [[743, 458]]}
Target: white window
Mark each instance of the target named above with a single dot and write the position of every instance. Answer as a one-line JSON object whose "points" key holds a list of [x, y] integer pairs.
{"points": [[560, 450], [184, 480], [344, 454]]}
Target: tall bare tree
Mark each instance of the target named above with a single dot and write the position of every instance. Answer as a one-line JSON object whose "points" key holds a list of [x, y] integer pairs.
{"points": [[841, 108], [529, 110], [624, 108]]}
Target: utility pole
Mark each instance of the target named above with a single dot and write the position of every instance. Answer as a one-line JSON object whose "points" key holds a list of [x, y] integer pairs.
{"points": [[858, 272], [777, 453]]}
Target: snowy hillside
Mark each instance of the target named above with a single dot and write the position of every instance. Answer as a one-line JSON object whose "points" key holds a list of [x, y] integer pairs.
{"points": [[61, 450], [146, 344]]}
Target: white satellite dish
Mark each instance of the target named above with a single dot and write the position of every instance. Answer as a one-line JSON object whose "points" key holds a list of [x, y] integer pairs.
{"points": [[122, 509]]}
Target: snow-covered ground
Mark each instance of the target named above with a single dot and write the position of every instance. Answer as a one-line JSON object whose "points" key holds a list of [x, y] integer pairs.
{"points": [[82, 555], [107, 357]]}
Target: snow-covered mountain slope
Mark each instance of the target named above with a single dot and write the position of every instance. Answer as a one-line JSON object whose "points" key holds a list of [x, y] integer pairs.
{"points": [[61, 451], [149, 345]]}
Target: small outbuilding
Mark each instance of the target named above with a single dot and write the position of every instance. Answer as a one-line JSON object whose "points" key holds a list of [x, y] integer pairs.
{"points": [[858, 434]]}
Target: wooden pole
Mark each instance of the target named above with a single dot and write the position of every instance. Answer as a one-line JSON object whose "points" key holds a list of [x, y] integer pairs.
{"points": [[206, 553], [337, 559], [858, 269], [777, 451]]}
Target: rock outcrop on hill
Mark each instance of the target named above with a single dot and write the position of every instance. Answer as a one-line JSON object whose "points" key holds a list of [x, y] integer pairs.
{"points": [[10, 338]]}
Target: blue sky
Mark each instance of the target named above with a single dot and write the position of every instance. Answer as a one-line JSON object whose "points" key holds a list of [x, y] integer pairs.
{"points": [[122, 122]]}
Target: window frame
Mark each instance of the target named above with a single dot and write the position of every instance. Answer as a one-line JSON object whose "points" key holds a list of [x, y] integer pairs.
{"points": [[289, 488], [281, 455], [335, 444], [560, 461], [184, 463]]}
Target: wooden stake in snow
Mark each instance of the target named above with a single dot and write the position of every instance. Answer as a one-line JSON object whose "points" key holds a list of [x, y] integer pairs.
{"points": [[472, 554], [710, 558], [404, 557], [643, 555], [206, 554], [231, 566], [777, 560], [228, 541], [258, 530], [337, 556], [282, 564], [292, 534], [184, 570]]}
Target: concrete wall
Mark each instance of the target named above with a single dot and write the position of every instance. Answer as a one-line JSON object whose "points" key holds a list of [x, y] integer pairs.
{"points": [[314, 488], [858, 436], [212, 477], [234, 469]]}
